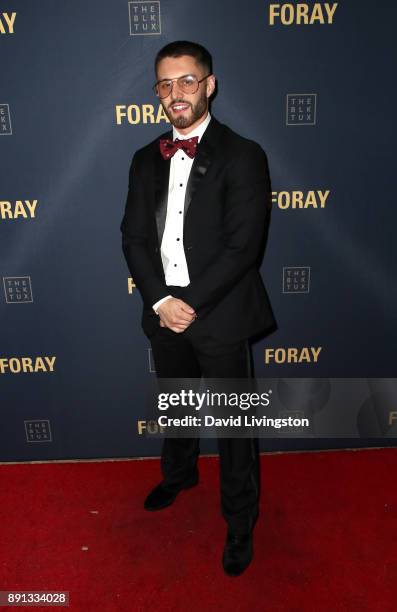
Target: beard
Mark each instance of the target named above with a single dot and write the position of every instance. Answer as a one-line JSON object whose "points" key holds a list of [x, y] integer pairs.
{"points": [[197, 111]]}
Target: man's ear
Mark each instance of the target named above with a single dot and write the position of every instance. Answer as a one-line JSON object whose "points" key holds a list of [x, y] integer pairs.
{"points": [[211, 81]]}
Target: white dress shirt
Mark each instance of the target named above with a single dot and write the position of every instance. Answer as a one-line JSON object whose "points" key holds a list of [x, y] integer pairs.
{"points": [[172, 251]]}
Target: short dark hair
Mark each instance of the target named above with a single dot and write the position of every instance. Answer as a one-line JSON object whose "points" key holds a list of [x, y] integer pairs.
{"points": [[185, 47]]}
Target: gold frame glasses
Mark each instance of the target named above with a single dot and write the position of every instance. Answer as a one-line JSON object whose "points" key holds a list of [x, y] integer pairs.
{"points": [[188, 83]]}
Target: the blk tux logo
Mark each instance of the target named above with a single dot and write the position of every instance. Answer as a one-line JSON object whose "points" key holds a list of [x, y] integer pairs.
{"points": [[145, 17], [301, 109], [296, 279], [5, 120], [38, 430], [18, 289]]}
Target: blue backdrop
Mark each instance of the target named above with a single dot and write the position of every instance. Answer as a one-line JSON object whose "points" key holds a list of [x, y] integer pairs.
{"points": [[311, 82]]}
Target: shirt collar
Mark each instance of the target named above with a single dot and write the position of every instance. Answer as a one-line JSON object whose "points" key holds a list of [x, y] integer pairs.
{"points": [[198, 131]]}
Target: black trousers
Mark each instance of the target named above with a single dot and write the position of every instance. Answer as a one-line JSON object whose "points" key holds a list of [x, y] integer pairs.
{"points": [[193, 355]]}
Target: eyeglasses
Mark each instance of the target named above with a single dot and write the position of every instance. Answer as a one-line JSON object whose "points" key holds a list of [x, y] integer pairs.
{"points": [[187, 83]]}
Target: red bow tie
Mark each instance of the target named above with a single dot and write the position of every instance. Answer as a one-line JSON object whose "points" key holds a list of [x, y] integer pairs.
{"points": [[169, 147]]}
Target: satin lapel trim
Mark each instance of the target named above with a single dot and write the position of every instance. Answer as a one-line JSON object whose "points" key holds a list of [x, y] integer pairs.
{"points": [[162, 171], [201, 163]]}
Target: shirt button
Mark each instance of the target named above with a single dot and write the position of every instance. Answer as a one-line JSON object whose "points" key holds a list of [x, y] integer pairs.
{"points": [[183, 158], [180, 185], [180, 212], [174, 265], [178, 238]]}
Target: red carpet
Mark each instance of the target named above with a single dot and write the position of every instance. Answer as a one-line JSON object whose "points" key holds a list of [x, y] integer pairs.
{"points": [[326, 538]]}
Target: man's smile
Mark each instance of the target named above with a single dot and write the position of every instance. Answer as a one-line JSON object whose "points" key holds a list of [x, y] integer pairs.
{"points": [[179, 107]]}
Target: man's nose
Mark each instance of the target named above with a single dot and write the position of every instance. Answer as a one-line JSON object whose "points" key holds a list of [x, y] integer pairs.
{"points": [[177, 91]]}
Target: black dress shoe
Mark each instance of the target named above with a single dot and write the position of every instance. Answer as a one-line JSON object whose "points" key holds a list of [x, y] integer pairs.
{"points": [[237, 554], [160, 497]]}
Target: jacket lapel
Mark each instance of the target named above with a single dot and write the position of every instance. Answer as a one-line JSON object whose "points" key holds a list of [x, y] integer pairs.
{"points": [[162, 174], [201, 163], [206, 152]]}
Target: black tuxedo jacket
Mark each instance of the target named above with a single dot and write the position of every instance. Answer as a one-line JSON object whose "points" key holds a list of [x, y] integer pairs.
{"points": [[226, 219]]}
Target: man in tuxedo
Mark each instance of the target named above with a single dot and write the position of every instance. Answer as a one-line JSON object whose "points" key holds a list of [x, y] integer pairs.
{"points": [[193, 233]]}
